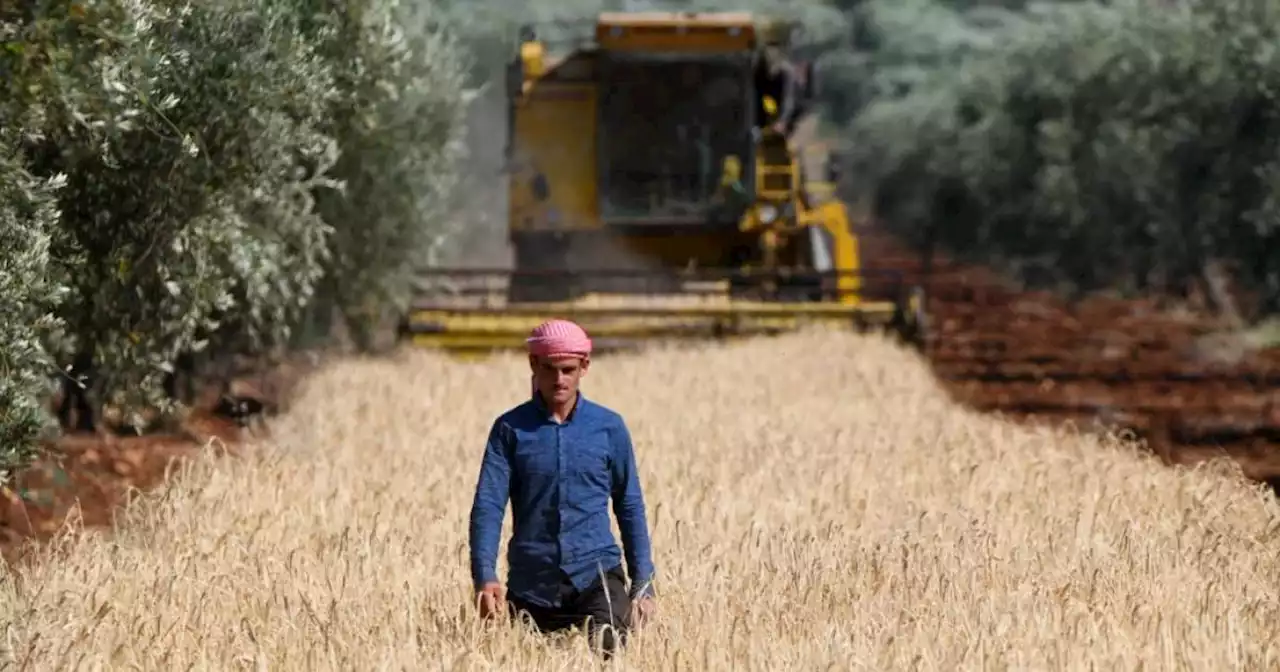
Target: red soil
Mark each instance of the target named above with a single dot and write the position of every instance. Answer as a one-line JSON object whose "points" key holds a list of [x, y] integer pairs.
{"points": [[1100, 362], [83, 477]]}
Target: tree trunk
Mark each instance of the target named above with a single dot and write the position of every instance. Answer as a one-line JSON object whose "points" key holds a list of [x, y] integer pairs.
{"points": [[1216, 285]]}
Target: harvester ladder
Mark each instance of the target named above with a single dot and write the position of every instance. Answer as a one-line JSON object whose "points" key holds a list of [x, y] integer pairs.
{"points": [[776, 171]]}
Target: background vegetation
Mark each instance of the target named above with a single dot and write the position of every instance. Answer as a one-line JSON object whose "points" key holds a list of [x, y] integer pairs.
{"points": [[1123, 145], [1087, 146], [234, 175], [212, 177]]}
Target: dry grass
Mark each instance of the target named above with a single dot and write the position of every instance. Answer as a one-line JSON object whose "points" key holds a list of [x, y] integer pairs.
{"points": [[815, 502]]}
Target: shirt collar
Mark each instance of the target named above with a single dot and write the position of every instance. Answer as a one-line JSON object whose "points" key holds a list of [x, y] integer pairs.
{"points": [[546, 410]]}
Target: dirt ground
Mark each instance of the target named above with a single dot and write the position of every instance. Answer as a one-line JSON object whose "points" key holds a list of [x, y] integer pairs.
{"points": [[84, 477], [1164, 372]]}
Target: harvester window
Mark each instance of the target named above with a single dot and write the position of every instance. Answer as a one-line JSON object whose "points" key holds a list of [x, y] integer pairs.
{"points": [[666, 125]]}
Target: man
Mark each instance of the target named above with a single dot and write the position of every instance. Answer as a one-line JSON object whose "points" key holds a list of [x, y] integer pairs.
{"points": [[560, 459], [777, 79]]}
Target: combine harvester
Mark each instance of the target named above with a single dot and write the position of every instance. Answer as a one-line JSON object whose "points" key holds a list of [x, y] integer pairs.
{"points": [[647, 203]]}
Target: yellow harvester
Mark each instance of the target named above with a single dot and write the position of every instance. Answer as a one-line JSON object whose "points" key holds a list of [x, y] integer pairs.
{"points": [[646, 201]]}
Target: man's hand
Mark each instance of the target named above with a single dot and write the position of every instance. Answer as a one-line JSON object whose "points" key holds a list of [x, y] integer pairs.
{"points": [[643, 609], [491, 600]]}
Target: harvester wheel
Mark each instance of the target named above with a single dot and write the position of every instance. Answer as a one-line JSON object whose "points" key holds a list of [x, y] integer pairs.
{"points": [[910, 321]]}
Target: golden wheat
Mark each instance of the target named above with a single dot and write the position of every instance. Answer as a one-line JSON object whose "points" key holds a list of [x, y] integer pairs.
{"points": [[815, 502]]}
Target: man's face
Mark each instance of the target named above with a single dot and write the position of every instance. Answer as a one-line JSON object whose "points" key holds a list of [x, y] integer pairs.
{"points": [[557, 378]]}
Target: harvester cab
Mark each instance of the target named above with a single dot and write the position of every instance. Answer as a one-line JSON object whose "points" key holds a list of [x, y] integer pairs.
{"points": [[655, 192]]}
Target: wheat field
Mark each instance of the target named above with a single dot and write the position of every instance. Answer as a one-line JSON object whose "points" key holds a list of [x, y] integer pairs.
{"points": [[816, 503]]}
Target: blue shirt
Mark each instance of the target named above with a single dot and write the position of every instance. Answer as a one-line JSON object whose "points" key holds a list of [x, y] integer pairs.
{"points": [[560, 479]]}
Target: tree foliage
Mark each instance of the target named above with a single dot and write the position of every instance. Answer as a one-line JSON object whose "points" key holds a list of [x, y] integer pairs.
{"points": [[30, 287], [216, 164], [1092, 146], [397, 121], [182, 139]]}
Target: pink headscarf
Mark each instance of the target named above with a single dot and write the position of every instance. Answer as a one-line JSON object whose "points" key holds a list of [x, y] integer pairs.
{"points": [[557, 338]]}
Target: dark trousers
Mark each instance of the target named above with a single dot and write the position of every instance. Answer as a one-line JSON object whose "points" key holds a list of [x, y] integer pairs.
{"points": [[604, 607]]}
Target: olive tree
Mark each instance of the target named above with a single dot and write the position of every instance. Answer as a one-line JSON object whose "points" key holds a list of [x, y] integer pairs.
{"points": [[397, 120], [1113, 147], [31, 287], [189, 134], [33, 277]]}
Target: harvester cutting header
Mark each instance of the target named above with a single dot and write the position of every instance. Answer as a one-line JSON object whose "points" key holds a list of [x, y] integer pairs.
{"points": [[663, 182]]}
